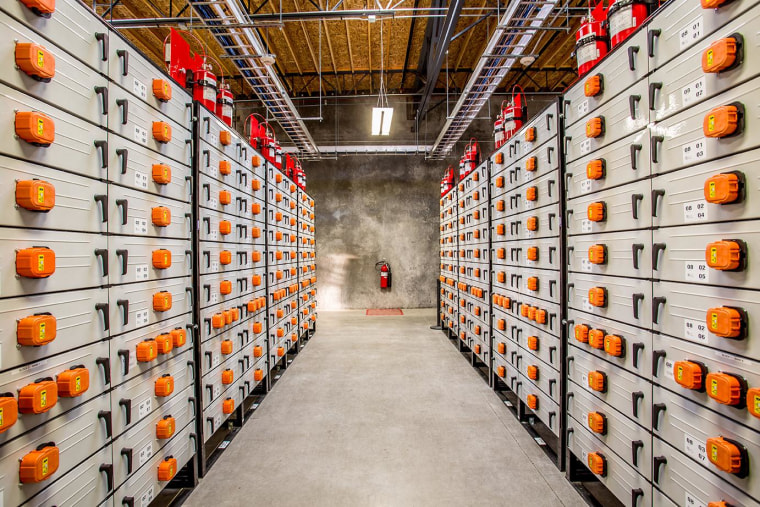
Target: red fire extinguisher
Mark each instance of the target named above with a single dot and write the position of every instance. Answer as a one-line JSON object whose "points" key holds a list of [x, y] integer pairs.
{"points": [[447, 183], [591, 39], [385, 274], [462, 171], [204, 86], [624, 17], [514, 114], [498, 131], [224, 103]]}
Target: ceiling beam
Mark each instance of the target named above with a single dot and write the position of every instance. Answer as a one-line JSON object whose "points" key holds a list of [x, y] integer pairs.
{"points": [[409, 45], [431, 29]]}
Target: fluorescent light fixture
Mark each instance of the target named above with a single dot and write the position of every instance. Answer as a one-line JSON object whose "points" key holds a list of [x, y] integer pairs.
{"points": [[381, 120]]}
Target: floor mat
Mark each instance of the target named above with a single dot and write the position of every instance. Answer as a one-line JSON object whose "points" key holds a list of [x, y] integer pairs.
{"points": [[384, 311]]}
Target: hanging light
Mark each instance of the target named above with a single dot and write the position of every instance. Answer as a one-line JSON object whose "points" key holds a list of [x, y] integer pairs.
{"points": [[382, 114]]}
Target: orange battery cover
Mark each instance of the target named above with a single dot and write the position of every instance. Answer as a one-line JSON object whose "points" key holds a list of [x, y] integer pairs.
{"points": [[597, 296], [161, 216], [217, 321], [225, 167], [532, 371], [597, 254], [35, 61], [532, 401], [225, 287], [39, 464], [614, 345], [8, 411], [533, 342], [531, 164], [167, 469], [225, 227], [179, 337], [73, 382], [165, 427], [532, 253], [38, 397], [225, 197], [721, 54], [162, 301], [255, 162], [595, 127], [530, 134], [727, 455], [596, 212], [228, 406], [226, 347], [531, 194], [501, 371], [35, 195], [722, 121], [597, 381], [725, 388], [162, 131], [162, 90], [725, 255], [593, 85], [164, 343], [502, 348], [597, 463], [597, 422], [225, 137], [596, 338], [532, 283], [162, 259], [36, 262], [531, 223], [258, 374], [161, 173], [726, 322], [596, 169], [164, 386], [689, 374], [753, 402], [36, 330], [146, 351], [228, 376], [723, 188], [258, 351], [256, 208], [35, 128], [280, 351], [500, 179]]}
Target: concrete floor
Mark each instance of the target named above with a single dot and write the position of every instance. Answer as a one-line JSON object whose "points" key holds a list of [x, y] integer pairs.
{"points": [[382, 411]]}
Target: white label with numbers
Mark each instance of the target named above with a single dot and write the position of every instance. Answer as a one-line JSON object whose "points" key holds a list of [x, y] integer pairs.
{"points": [[141, 272], [213, 203], [217, 421], [695, 211], [586, 186], [214, 266], [145, 454], [690, 34], [214, 298], [586, 226], [583, 108], [527, 147], [693, 501], [529, 204], [587, 306], [215, 360], [693, 92], [585, 146], [669, 363], [696, 272], [141, 318], [584, 380], [694, 152], [217, 391], [141, 180], [695, 448], [695, 331], [144, 408], [586, 265], [140, 89], [140, 135], [147, 497], [140, 225], [132, 361]]}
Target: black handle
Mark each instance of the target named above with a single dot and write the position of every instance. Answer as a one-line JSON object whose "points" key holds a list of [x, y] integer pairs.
{"points": [[655, 32], [122, 205], [124, 355], [211, 420], [124, 106], [127, 404], [102, 200], [637, 347], [124, 256], [105, 415], [102, 91], [636, 249], [635, 398], [633, 101], [657, 462], [102, 147], [127, 453], [635, 495], [657, 409], [653, 144], [656, 194], [635, 148], [635, 200], [106, 364], [657, 302], [656, 356], [102, 308], [102, 37], [102, 254], [636, 299], [123, 155], [656, 249], [108, 469], [632, 52], [653, 87], [124, 57], [124, 305], [552, 383], [635, 446], [550, 185], [128, 501]]}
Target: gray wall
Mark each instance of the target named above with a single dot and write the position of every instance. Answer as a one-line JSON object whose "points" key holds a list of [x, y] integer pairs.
{"points": [[370, 208]]}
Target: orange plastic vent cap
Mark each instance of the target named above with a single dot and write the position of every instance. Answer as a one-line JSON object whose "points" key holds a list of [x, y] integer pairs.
{"points": [[724, 388], [162, 301], [532, 401], [228, 376], [167, 469], [38, 397], [596, 169], [596, 212], [689, 374], [165, 427], [724, 255], [593, 86], [727, 455], [179, 337], [721, 55], [531, 194], [597, 381], [36, 262], [595, 127], [164, 386], [35, 61], [614, 345], [161, 173], [722, 121], [162, 90], [164, 343], [162, 259], [36, 330], [146, 351], [722, 188], [533, 342], [35, 128], [726, 322], [532, 371], [39, 464], [35, 195], [258, 375], [225, 167], [532, 283], [597, 463], [531, 164], [597, 254], [532, 224], [597, 296], [162, 131], [596, 338], [597, 422], [532, 253], [530, 134], [73, 382], [753, 401], [225, 137], [8, 411]]}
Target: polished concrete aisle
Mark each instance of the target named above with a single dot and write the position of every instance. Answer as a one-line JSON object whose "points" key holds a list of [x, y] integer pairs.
{"points": [[382, 411]]}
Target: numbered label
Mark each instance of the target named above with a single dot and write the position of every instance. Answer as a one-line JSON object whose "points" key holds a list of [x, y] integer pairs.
{"points": [[693, 501], [585, 146], [694, 92], [145, 454], [582, 108], [140, 225], [695, 331], [140, 135], [695, 448], [140, 89], [144, 408], [141, 318], [694, 152], [690, 33], [697, 272], [141, 272], [586, 186], [586, 226], [586, 265], [695, 211]]}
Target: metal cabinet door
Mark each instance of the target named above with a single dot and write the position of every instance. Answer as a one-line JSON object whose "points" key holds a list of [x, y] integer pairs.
{"points": [[132, 214], [131, 306], [626, 253], [132, 259], [624, 208], [626, 299]]}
